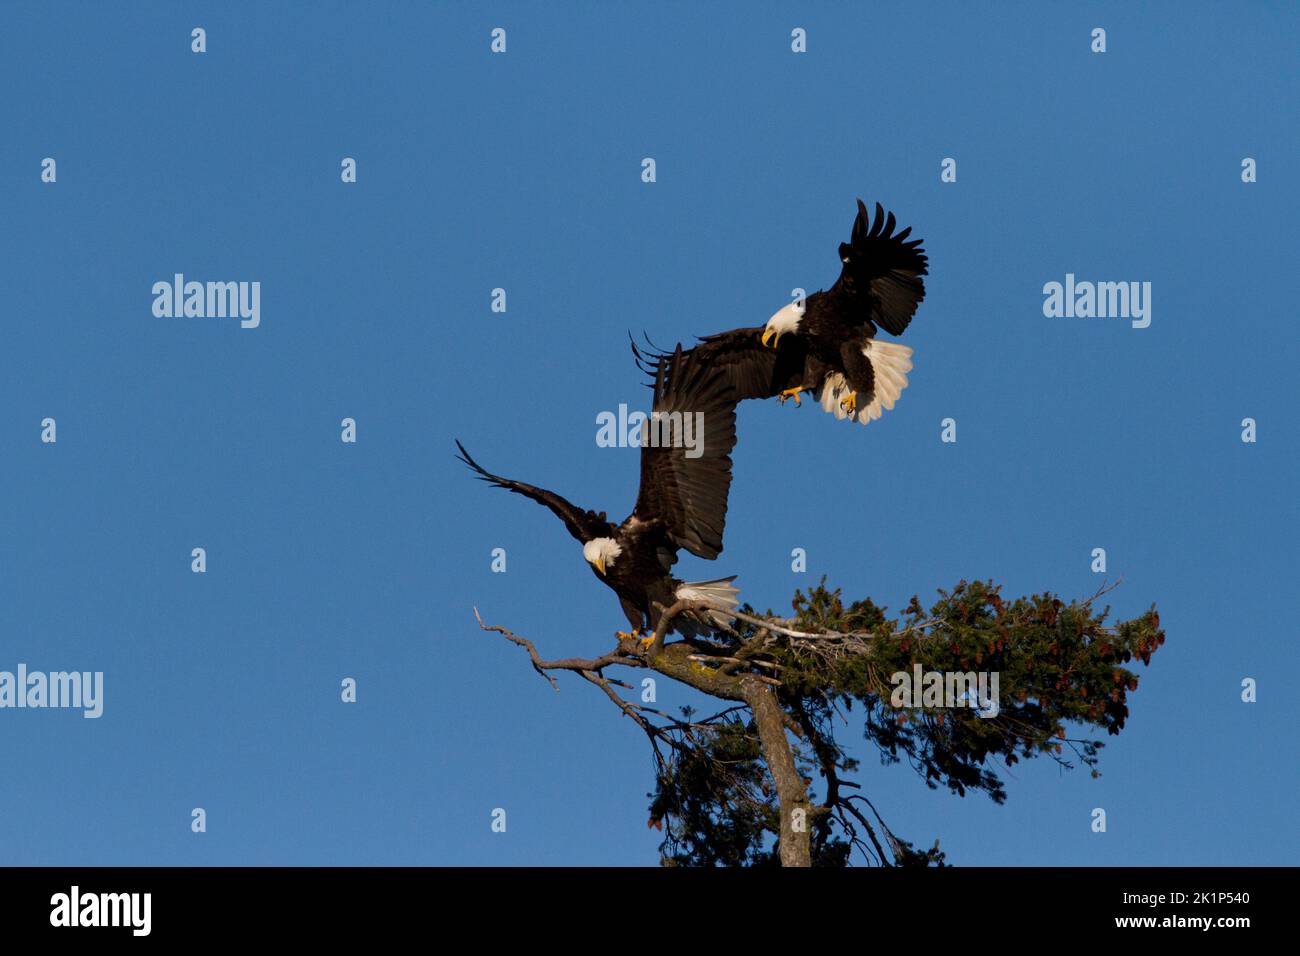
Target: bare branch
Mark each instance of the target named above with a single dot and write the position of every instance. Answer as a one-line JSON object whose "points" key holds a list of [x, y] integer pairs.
{"points": [[575, 664]]}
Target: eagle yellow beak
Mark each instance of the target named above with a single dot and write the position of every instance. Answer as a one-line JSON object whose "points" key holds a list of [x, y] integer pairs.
{"points": [[599, 565], [772, 334]]}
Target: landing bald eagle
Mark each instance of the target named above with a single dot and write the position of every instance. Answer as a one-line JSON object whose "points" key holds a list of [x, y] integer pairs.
{"points": [[681, 504], [828, 346]]}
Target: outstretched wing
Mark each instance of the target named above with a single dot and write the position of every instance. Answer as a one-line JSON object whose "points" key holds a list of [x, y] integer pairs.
{"points": [[749, 368], [882, 271], [686, 464], [582, 524]]}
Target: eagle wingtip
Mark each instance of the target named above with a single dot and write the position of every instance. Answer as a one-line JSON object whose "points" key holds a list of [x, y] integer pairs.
{"points": [[464, 457]]}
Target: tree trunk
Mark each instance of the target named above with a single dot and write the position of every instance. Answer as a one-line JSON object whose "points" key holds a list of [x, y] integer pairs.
{"points": [[791, 794]]}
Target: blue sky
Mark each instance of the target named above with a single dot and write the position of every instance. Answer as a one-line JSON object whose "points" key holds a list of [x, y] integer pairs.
{"points": [[522, 171]]}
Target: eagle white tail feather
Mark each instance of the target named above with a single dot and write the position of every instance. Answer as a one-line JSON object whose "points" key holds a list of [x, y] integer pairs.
{"points": [[719, 589], [890, 363]]}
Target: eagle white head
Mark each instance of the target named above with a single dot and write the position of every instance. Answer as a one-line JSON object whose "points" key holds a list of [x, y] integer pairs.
{"points": [[601, 553], [786, 320]]}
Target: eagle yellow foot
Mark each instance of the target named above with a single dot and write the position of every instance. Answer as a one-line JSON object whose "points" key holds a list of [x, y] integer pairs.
{"points": [[644, 642], [849, 402], [791, 393]]}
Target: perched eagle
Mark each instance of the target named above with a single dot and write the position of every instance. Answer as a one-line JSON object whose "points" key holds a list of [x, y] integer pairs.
{"points": [[682, 502], [827, 345]]}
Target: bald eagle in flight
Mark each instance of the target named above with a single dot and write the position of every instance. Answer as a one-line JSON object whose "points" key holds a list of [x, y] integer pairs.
{"points": [[681, 504], [827, 344]]}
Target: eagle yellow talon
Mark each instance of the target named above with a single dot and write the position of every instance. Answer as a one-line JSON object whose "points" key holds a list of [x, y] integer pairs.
{"points": [[791, 393], [643, 642], [849, 402]]}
